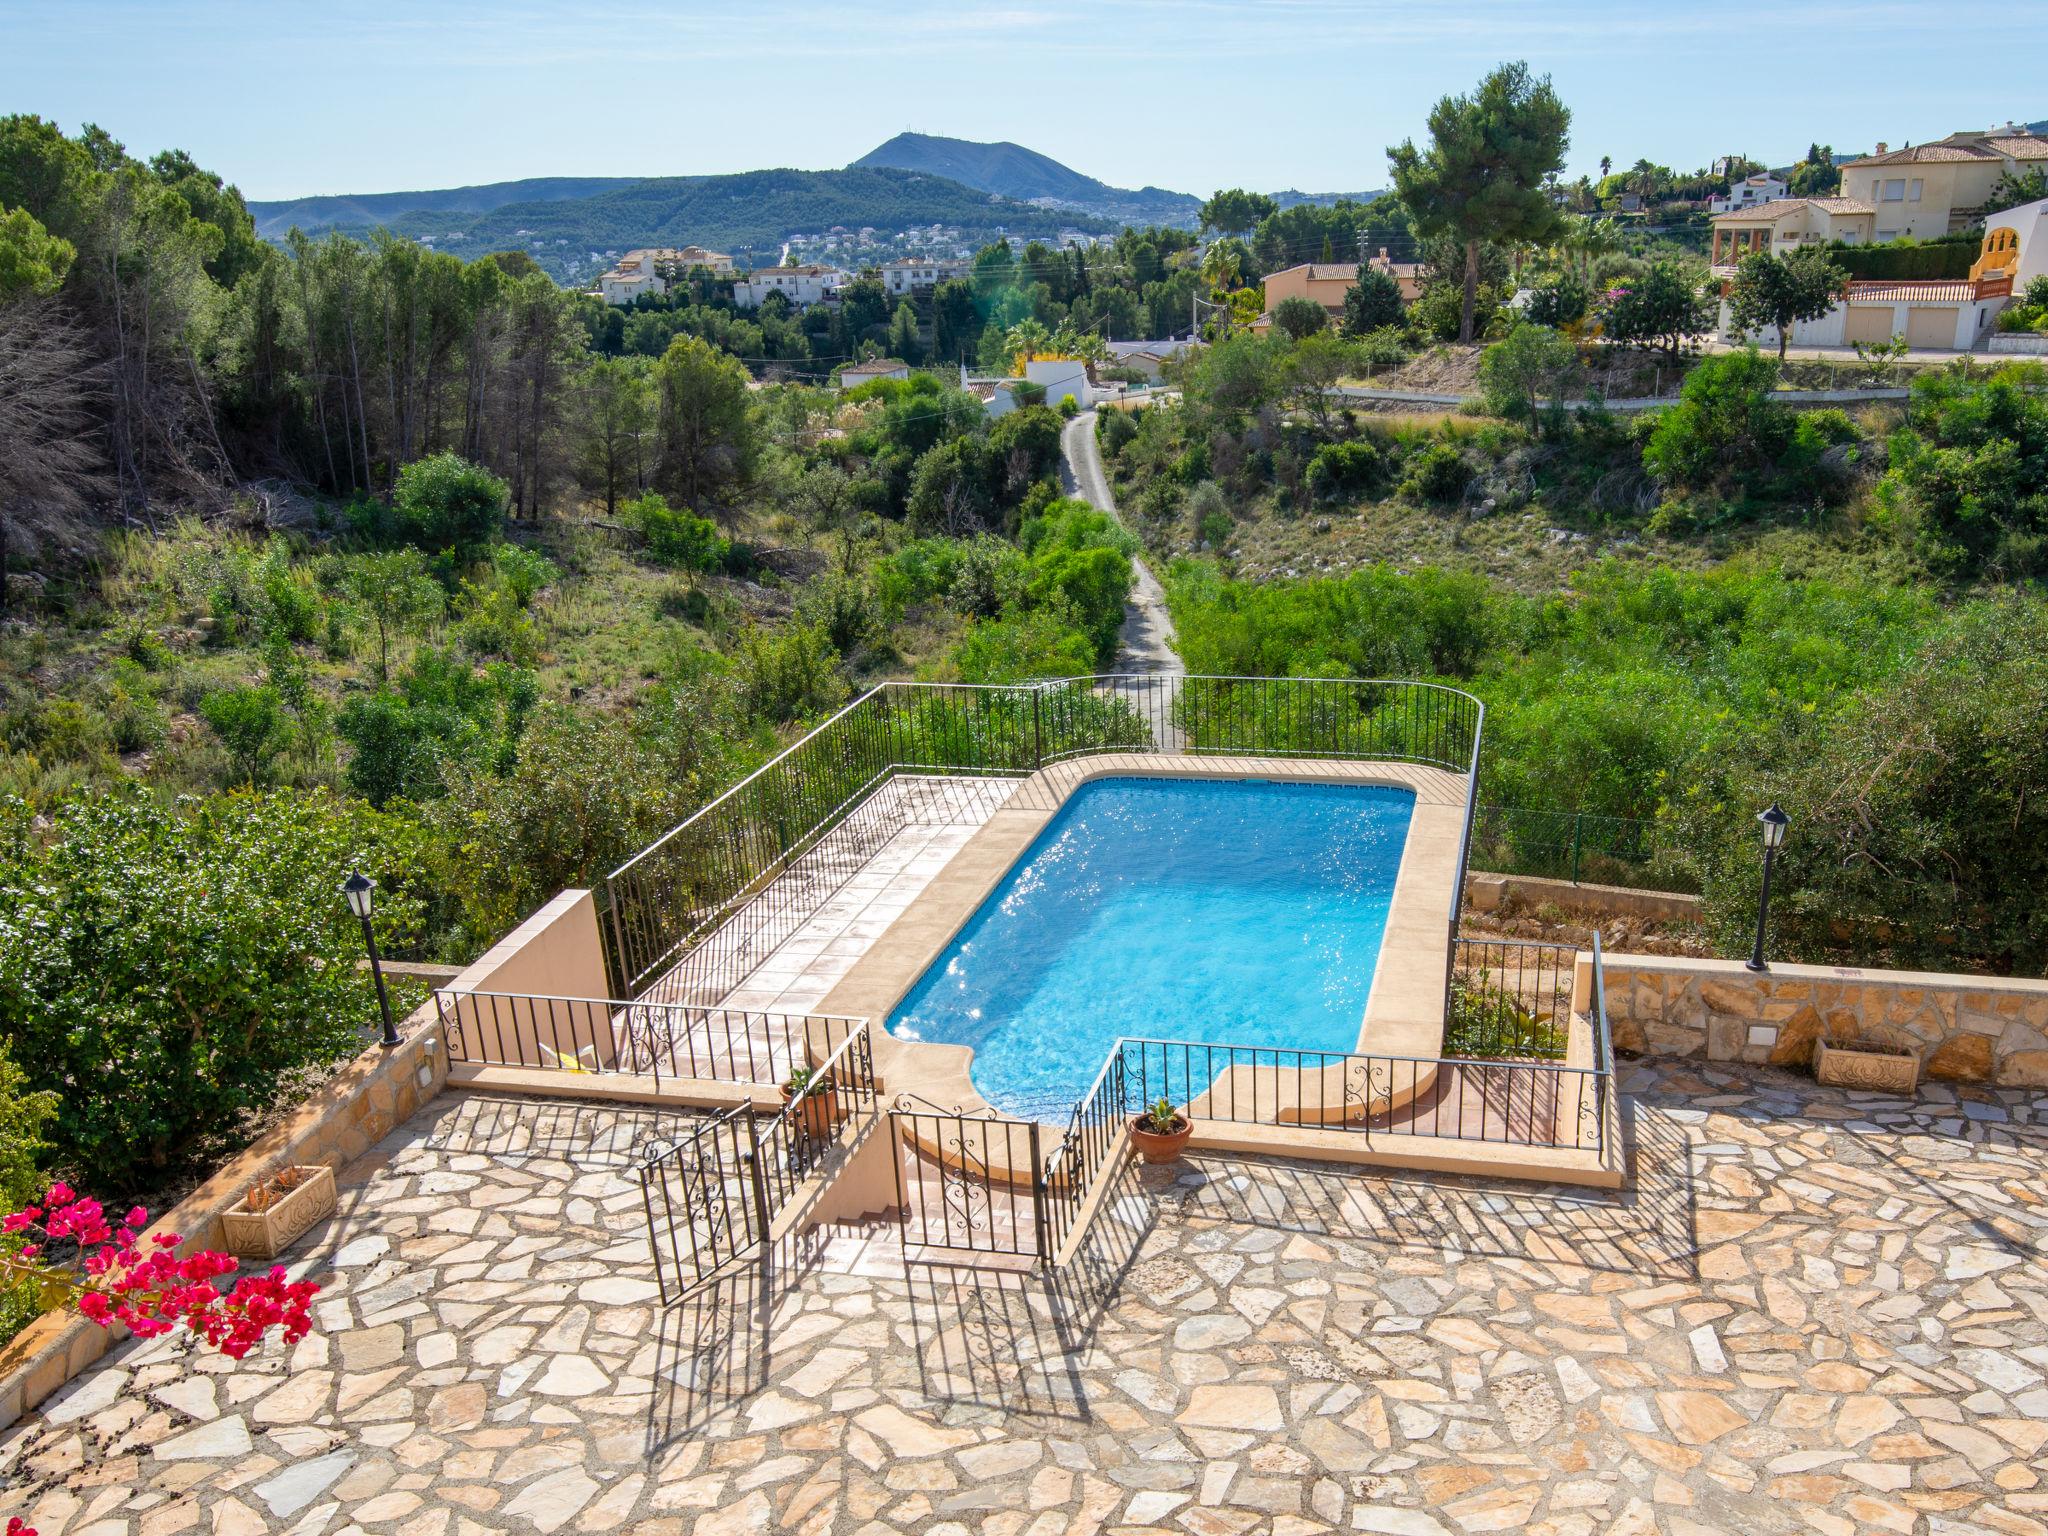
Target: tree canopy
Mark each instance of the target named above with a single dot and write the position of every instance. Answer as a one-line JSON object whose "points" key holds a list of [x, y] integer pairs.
{"points": [[1483, 174]]}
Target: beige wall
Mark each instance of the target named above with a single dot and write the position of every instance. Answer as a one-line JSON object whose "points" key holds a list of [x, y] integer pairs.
{"points": [[1964, 1028], [554, 964], [1295, 283], [1949, 193]]}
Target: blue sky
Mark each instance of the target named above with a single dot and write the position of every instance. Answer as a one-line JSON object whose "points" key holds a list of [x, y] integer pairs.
{"points": [[287, 98]]}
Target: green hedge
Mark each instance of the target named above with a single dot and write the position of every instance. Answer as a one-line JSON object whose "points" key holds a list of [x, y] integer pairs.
{"points": [[1941, 261]]}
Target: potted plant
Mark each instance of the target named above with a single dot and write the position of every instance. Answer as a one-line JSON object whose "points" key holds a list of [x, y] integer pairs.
{"points": [[1161, 1133], [1850, 1061], [820, 1095], [273, 1214]]}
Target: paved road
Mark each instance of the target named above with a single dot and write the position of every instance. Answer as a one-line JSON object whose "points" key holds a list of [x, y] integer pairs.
{"points": [[1642, 403], [1146, 642]]}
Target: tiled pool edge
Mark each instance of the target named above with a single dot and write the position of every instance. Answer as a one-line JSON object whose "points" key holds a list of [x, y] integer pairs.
{"points": [[1404, 1010]]}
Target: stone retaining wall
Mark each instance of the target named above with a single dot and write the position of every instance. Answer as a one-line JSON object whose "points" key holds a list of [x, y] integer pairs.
{"points": [[366, 1101], [555, 950], [1969, 1029]]}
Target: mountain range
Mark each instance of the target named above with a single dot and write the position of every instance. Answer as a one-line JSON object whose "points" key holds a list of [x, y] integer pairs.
{"points": [[912, 182]]}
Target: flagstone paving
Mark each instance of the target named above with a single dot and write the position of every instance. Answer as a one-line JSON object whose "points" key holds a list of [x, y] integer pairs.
{"points": [[1815, 1312]]}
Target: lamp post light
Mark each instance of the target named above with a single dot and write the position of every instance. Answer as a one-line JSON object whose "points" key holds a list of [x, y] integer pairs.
{"points": [[1774, 822], [361, 892]]}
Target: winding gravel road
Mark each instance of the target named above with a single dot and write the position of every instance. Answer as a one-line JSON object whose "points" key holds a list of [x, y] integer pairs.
{"points": [[1146, 642]]}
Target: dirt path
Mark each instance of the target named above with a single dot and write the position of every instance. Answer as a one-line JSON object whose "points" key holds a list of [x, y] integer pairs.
{"points": [[1146, 641]]}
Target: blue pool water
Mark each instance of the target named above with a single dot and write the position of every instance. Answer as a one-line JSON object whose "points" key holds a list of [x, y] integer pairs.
{"points": [[1241, 911]]}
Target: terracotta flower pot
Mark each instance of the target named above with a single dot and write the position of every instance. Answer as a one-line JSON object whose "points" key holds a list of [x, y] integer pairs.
{"points": [[820, 1114], [266, 1233], [1161, 1146]]}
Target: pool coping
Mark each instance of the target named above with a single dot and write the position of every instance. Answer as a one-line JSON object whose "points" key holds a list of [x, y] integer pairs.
{"points": [[1404, 1007]]}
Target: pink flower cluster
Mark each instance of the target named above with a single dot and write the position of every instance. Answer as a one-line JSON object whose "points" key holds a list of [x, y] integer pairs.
{"points": [[117, 1278]]}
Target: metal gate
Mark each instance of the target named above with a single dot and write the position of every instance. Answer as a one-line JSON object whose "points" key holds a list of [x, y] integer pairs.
{"points": [[969, 1183], [706, 1200]]}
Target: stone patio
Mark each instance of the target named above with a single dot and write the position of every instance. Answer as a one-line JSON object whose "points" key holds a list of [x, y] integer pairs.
{"points": [[1815, 1311]]}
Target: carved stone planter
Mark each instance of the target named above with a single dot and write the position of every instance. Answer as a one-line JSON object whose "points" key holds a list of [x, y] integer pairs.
{"points": [[266, 1233], [1876, 1071]]}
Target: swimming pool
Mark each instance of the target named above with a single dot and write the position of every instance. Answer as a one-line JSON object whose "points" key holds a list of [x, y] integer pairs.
{"points": [[1238, 910]]}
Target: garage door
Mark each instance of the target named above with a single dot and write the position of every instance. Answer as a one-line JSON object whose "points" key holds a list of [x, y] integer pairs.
{"points": [[1869, 322], [1928, 327]]}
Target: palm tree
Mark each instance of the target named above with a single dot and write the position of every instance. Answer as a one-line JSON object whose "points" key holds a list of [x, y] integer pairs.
{"points": [[1606, 167]]}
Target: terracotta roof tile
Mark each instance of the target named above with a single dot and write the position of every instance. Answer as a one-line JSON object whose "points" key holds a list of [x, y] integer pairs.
{"points": [[1913, 293]]}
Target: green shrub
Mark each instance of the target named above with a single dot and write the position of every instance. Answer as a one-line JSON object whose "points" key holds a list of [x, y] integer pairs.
{"points": [[444, 502], [586, 792], [1298, 318], [1113, 429], [791, 674], [1020, 646], [1339, 470], [1559, 301], [1438, 473], [1209, 511], [1726, 421], [1373, 303], [677, 538], [25, 1116], [251, 724], [184, 961], [524, 572]]}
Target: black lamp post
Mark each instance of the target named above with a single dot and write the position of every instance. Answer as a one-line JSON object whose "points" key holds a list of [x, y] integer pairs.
{"points": [[1774, 822], [361, 892]]}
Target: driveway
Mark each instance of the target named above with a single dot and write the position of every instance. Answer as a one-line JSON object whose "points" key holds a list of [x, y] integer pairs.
{"points": [[1145, 644]]}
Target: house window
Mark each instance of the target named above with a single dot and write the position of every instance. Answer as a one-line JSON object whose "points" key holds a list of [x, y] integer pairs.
{"points": [[1895, 190], [1913, 192]]}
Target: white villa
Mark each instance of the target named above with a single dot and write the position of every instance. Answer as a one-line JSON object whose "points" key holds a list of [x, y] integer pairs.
{"points": [[801, 285], [1749, 192], [901, 278], [651, 271]]}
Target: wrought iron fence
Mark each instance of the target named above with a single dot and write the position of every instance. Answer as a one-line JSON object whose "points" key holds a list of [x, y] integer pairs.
{"points": [[1520, 1103], [677, 898], [705, 1202], [1090, 1151], [803, 1139], [1577, 846], [970, 1182], [1510, 998], [657, 1039], [713, 1196]]}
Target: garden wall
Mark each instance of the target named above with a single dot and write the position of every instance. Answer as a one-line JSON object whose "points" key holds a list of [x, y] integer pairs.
{"points": [[1968, 1029]]}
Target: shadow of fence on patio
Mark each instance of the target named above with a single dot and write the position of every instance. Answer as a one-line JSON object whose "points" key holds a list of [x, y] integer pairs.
{"points": [[1648, 1229], [1013, 1339], [584, 1136]]}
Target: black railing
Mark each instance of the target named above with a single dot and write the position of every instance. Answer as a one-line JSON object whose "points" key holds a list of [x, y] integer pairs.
{"points": [[804, 1138], [1518, 1103], [606, 1035], [713, 1196], [1510, 998], [705, 1202], [675, 900], [1577, 846], [969, 1182], [1091, 1150]]}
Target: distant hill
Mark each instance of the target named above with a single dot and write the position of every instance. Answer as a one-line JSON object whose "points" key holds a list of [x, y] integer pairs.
{"points": [[1011, 170], [1291, 198], [748, 215], [317, 215]]}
